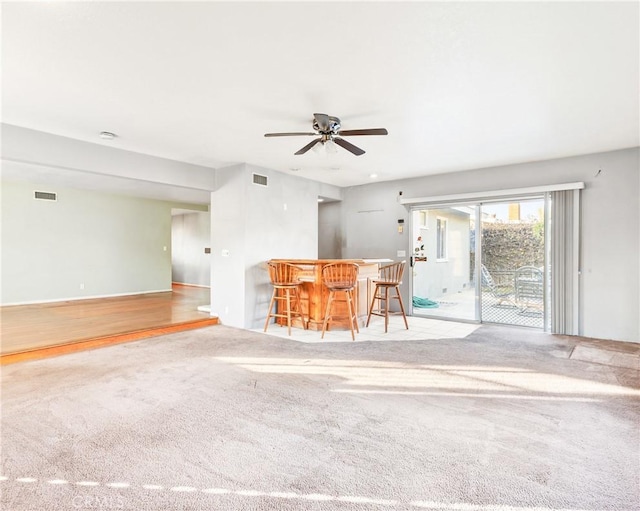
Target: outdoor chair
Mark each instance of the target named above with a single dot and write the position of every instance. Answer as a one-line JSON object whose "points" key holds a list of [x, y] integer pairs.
{"points": [[529, 288], [503, 296]]}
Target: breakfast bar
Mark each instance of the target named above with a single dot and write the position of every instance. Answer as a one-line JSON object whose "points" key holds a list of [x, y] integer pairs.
{"points": [[314, 294]]}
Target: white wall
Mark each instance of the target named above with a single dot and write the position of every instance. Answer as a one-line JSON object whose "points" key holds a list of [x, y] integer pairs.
{"points": [[40, 148], [107, 244], [610, 287], [190, 235], [253, 224]]}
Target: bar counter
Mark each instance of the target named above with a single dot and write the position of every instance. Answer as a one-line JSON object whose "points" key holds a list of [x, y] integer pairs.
{"points": [[314, 294]]}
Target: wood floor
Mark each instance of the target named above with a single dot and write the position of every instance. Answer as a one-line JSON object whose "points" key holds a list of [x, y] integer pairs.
{"points": [[33, 331]]}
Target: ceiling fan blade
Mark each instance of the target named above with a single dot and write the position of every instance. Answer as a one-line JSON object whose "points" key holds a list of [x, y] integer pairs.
{"points": [[370, 131], [324, 123], [308, 146], [295, 134], [348, 146]]}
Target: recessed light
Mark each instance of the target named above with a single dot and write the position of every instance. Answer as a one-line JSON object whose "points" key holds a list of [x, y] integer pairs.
{"points": [[373, 176], [294, 169], [107, 135], [320, 200]]}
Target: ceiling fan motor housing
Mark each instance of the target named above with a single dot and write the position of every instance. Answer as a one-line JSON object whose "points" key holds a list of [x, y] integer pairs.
{"points": [[334, 126]]}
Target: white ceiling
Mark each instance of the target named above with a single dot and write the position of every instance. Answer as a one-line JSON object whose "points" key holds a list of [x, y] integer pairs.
{"points": [[458, 85]]}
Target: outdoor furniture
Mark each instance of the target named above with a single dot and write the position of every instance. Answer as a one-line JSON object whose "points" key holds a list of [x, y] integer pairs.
{"points": [[390, 277], [503, 296], [341, 278], [529, 288], [285, 280]]}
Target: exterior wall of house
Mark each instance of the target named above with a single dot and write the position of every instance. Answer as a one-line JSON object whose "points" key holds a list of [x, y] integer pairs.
{"points": [[434, 278], [84, 244], [190, 235], [610, 226]]}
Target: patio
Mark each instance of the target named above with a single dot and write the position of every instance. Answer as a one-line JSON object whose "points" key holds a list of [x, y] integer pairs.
{"points": [[500, 305]]}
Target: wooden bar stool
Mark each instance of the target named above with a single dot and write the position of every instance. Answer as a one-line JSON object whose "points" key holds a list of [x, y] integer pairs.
{"points": [[341, 278], [285, 280], [390, 277]]}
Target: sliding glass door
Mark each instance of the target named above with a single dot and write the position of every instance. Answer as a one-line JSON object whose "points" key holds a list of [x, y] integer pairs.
{"points": [[513, 263], [480, 262], [443, 262]]}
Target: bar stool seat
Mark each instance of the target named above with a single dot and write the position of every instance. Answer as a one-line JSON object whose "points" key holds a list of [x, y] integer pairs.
{"points": [[341, 278], [285, 280], [390, 277]]}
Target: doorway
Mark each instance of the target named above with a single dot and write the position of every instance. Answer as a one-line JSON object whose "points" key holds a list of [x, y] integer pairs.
{"points": [[481, 262], [443, 262]]}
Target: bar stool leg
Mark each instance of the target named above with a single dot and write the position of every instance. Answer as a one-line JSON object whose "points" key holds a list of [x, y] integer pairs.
{"points": [[373, 301], [350, 311], [386, 308], [273, 299], [288, 300], [327, 314], [355, 310], [299, 305], [402, 307]]}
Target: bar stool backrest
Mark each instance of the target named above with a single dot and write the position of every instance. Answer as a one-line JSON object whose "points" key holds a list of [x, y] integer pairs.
{"points": [[340, 276], [284, 274], [392, 273]]}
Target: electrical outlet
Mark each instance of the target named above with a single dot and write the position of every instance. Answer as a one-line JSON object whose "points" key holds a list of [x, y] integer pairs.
{"points": [[82, 285]]}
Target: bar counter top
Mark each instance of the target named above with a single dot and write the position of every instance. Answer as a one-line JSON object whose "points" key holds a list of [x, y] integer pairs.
{"points": [[329, 261]]}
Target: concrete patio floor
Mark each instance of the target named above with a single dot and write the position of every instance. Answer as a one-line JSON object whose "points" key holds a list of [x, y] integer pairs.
{"points": [[504, 310]]}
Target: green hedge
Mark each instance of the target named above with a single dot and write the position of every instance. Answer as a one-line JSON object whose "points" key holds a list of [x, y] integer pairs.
{"points": [[506, 247]]}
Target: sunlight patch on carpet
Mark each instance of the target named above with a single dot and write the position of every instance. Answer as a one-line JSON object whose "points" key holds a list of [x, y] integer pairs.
{"points": [[365, 373]]}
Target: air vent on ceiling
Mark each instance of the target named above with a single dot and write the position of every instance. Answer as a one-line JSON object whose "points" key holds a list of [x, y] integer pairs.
{"points": [[45, 195], [260, 180]]}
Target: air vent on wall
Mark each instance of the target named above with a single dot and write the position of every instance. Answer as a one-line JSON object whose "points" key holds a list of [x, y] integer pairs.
{"points": [[45, 196], [260, 180]]}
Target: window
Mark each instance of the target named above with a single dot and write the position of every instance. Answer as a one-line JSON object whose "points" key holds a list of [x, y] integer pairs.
{"points": [[441, 237]]}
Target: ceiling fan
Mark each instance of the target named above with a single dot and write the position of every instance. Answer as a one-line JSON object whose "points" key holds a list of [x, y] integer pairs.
{"points": [[327, 128]]}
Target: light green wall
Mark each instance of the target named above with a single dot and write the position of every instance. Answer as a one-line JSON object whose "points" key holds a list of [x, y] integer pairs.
{"points": [[111, 244]]}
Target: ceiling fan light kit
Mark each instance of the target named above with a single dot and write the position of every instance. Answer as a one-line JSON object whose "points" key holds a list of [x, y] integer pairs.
{"points": [[327, 129]]}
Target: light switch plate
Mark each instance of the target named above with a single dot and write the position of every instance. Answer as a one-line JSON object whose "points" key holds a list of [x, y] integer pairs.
{"points": [[401, 253]]}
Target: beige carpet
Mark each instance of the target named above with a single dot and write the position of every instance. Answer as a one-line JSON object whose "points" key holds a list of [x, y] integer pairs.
{"points": [[225, 419]]}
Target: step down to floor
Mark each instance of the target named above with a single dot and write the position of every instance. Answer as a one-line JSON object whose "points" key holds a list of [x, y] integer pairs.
{"points": [[101, 342]]}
